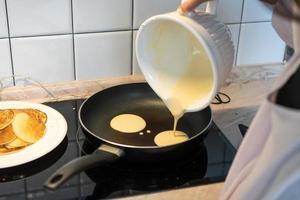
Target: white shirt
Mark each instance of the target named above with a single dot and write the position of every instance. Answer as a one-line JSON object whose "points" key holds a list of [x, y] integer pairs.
{"points": [[267, 165]]}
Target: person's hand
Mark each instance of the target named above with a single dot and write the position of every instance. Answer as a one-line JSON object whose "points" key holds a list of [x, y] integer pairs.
{"points": [[190, 5]]}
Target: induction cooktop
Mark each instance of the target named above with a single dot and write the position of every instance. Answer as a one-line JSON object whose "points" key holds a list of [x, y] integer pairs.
{"points": [[210, 164]]}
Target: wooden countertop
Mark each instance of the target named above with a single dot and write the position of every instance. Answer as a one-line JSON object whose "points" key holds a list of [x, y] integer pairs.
{"points": [[205, 192], [240, 85]]}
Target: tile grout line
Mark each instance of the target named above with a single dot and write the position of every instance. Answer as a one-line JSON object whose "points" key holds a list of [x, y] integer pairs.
{"points": [[45, 35], [131, 56], [73, 40], [131, 45], [256, 22], [242, 13], [106, 31], [62, 34], [251, 22], [9, 43], [239, 35]]}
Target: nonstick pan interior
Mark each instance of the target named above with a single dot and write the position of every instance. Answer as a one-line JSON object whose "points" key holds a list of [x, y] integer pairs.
{"points": [[139, 99]]}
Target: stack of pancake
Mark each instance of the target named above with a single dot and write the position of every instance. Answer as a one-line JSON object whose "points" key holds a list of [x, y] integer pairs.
{"points": [[20, 128]]}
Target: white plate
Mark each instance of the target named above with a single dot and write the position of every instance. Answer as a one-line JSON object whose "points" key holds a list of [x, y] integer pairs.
{"points": [[56, 130]]}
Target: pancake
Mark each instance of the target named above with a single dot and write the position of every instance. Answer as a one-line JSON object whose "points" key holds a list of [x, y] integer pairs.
{"points": [[4, 150], [34, 113], [7, 135], [16, 143], [170, 137], [6, 118], [128, 123], [28, 128], [37, 114]]}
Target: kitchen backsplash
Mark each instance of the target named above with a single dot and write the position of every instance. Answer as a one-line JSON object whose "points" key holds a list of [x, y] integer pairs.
{"points": [[61, 40]]}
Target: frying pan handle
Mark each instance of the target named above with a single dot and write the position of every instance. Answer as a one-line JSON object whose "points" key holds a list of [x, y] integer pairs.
{"points": [[99, 158]]}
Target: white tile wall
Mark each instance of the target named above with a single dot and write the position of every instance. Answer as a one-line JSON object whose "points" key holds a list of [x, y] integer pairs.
{"points": [[255, 10], [103, 55], [5, 62], [102, 15], [3, 20], [258, 44], [45, 59], [230, 11], [101, 39], [144, 9], [39, 17]]}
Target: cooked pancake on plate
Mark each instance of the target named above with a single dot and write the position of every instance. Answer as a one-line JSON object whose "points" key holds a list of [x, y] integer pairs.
{"points": [[16, 143], [20, 128], [4, 150], [6, 117], [7, 135], [51, 129], [28, 128], [37, 114]]}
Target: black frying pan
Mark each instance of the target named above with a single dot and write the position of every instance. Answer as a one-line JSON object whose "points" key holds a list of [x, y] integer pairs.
{"points": [[96, 113]]}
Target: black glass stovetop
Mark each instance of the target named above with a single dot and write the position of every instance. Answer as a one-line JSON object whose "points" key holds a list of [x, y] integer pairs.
{"points": [[208, 165]]}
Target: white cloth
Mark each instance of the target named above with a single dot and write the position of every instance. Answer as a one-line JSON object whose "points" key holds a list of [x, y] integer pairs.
{"points": [[267, 165]]}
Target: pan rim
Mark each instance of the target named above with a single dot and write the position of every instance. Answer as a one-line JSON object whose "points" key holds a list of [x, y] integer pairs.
{"points": [[133, 146]]}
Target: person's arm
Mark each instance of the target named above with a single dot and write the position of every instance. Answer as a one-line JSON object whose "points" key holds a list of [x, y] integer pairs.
{"points": [[190, 5]]}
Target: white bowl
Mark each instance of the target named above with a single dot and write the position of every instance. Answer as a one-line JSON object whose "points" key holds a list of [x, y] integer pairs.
{"points": [[213, 36]]}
